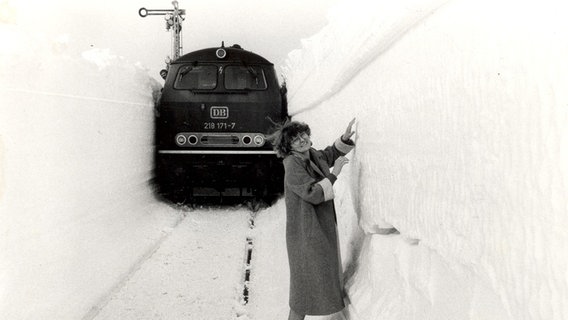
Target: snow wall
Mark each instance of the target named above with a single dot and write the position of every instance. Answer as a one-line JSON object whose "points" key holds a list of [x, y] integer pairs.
{"points": [[462, 145], [76, 209]]}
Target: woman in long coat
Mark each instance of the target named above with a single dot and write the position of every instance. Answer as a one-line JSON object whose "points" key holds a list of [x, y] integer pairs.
{"points": [[311, 224]]}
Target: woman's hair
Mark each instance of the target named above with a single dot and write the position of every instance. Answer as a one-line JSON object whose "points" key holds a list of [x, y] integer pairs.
{"points": [[281, 139]]}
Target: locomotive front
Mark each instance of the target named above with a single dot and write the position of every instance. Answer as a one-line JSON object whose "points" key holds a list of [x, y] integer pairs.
{"points": [[216, 109]]}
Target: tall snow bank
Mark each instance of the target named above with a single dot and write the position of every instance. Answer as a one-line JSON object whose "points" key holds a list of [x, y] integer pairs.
{"points": [[462, 146], [76, 209]]}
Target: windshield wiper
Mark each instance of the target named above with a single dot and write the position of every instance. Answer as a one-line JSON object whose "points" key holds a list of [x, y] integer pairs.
{"points": [[251, 71], [184, 71]]}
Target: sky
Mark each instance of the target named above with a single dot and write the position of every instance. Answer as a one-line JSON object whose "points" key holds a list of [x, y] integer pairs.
{"points": [[268, 27]]}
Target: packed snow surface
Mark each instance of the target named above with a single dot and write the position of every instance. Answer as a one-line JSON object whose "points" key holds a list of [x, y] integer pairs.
{"points": [[462, 145], [195, 274]]}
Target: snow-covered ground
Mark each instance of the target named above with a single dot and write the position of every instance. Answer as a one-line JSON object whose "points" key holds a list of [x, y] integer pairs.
{"points": [[197, 273], [462, 144]]}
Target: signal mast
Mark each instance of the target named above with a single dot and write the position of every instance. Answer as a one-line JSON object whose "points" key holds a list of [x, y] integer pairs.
{"points": [[174, 17]]}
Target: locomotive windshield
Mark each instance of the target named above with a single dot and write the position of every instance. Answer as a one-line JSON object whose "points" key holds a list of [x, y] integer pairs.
{"points": [[204, 77], [197, 77], [244, 77]]}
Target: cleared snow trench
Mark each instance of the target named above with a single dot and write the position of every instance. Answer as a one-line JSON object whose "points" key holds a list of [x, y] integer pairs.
{"points": [[196, 273]]}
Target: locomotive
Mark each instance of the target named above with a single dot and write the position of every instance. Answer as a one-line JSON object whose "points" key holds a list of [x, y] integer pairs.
{"points": [[216, 108]]}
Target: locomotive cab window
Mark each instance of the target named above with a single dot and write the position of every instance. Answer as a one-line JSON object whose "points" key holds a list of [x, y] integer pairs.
{"points": [[244, 77], [197, 77]]}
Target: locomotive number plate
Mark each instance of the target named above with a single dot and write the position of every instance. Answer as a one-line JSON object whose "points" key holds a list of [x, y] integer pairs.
{"points": [[219, 125], [219, 112]]}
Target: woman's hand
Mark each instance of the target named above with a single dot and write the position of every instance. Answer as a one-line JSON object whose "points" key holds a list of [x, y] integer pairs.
{"points": [[338, 165], [349, 131]]}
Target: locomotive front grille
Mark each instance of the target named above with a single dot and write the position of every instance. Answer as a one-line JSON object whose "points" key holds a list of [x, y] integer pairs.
{"points": [[220, 140], [212, 140]]}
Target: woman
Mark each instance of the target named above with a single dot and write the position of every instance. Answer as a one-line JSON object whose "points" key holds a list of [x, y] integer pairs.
{"points": [[311, 225]]}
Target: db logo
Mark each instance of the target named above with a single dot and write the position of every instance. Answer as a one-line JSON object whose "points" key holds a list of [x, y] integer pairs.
{"points": [[219, 112]]}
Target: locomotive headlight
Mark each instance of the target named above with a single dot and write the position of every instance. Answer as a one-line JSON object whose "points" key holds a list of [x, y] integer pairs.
{"points": [[181, 139], [221, 53], [258, 140], [192, 139]]}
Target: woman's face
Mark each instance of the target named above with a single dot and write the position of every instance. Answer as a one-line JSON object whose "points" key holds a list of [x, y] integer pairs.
{"points": [[301, 143]]}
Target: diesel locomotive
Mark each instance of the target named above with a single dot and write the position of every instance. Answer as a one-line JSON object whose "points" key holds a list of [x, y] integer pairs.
{"points": [[212, 118], [215, 111]]}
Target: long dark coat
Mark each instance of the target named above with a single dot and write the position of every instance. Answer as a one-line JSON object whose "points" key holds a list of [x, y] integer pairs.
{"points": [[311, 231]]}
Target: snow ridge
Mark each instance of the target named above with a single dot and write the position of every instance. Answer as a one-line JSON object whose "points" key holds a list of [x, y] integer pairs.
{"points": [[344, 54], [72, 96]]}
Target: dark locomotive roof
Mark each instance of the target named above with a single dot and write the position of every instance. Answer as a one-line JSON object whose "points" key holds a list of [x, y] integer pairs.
{"points": [[234, 54]]}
